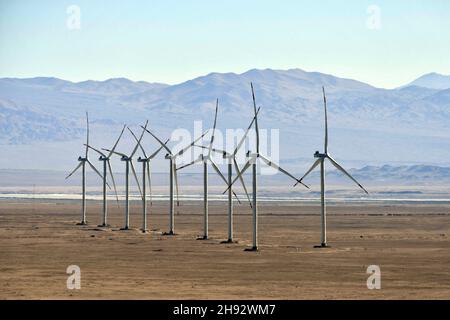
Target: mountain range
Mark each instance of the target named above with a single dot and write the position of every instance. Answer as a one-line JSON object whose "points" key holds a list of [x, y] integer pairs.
{"points": [[432, 81], [408, 125]]}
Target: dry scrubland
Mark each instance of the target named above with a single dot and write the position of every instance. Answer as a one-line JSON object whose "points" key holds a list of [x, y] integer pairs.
{"points": [[409, 243]]}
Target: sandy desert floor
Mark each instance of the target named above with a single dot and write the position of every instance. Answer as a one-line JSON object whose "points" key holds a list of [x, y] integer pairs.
{"points": [[410, 243]]}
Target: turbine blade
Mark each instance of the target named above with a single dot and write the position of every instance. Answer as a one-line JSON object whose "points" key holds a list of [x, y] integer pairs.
{"points": [[117, 141], [216, 168], [214, 128], [87, 133], [238, 172], [154, 154], [214, 150], [326, 119], [190, 145], [113, 181], [277, 167], [96, 171], [149, 182], [199, 159], [115, 152], [246, 133], [157, 139], [256, 118], [74, 170], [138, 141], [96, 150], [136, 178], [346, 173], [246, 166], [315, 164]]}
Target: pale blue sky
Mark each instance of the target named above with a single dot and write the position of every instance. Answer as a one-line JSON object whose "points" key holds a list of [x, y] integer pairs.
{"points": [[172, 41]]}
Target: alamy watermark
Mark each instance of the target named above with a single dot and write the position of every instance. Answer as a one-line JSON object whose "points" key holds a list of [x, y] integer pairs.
{"points": [[373, 21], [73, 21], [269, 145], [374, 280], [74, 278]]}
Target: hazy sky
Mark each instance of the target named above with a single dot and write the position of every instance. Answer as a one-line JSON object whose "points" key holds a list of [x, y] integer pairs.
{"points": [[385, 45]]}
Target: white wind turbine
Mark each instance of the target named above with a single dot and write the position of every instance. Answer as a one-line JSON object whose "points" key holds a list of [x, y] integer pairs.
{"points": [[146, 173], [205, 160], [320, 160], [253, 161], [82, 164], [107, 166], [231, 160], [128, 159], [173, 176]]}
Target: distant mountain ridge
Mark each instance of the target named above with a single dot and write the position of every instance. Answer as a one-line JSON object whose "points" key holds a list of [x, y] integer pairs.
{"points": [[432, 81], [406, 125]]}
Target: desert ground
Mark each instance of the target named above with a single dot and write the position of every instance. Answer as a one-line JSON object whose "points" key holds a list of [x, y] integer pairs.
{"points": [[410, 244]]}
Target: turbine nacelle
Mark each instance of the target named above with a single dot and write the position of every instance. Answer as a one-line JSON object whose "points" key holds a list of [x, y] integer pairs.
{"points": [[252, 156], [317, 154], [204, 158], [125, 158], [80, 158], [140, 159]]}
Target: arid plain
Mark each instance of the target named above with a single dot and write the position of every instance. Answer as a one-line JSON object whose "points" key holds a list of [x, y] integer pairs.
{"points": [[410, 244]]}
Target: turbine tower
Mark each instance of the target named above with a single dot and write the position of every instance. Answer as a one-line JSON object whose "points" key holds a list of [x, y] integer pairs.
{"points": [[107, 166], [253, 161], [205, 160], [321, 161], [146, 173], [82, 164], [173, 176], [128, 159]]}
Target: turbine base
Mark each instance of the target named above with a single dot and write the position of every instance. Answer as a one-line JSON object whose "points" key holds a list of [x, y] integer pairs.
{"points": [[170, 233], [228, 241], [104, 225], [202, 238], [252, 249], [322, 245], [82, 223]]}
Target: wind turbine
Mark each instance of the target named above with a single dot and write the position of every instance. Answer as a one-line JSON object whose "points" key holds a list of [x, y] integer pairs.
{"points": [[128, 159], [253, 161], [173, 176], [321, 160], [231, 160], [107, 166], [146, 173], [82, 164], [205, 160]]}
